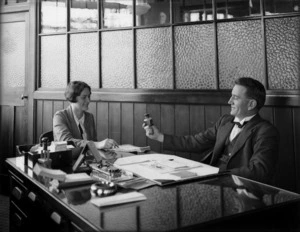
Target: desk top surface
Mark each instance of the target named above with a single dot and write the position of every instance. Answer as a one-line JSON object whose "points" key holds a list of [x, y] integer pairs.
{"points": [[172, 207]]}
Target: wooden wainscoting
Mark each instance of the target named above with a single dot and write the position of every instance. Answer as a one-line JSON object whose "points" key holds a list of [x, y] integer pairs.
{"points": [[122, 121]]}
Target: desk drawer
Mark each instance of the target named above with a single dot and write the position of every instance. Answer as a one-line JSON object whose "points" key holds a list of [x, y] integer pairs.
{"points": [[18, 192], [17, 218]]}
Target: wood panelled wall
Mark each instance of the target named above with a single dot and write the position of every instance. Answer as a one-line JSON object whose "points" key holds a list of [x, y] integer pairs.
{"points": [[122, 121]]}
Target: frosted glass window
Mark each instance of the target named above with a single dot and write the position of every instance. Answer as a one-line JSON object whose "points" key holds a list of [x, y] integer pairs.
{"points": [[53, 16], [53, 61], [240, 51], [12, 55], [83, 15], [283, 46], [84, 58], [195, 57], [154, 58], [117, 59]]}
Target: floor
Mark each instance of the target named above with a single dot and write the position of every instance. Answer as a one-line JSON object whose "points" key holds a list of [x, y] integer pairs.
{"points": [[4, 213]]}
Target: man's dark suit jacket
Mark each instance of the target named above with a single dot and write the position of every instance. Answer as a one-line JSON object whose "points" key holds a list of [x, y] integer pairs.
{"points": [[66, 129], [254, 154]]}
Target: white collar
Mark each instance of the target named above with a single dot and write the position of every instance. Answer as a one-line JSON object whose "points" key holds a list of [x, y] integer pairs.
{"points": [[81, 120], [246, 119]]}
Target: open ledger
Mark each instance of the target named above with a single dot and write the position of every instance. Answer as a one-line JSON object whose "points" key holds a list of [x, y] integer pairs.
{"points": [[165, 169]]}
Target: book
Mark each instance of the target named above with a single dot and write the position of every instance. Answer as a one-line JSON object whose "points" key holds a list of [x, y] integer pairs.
{"points": [[51, 173], [76, 180], [119, 198]]}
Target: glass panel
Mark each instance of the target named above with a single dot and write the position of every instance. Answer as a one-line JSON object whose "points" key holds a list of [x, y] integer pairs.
{"points": [[154, 58], [83, 14], [53, 61], [192, 10], [117, 13], [283, 46], [227, 9], [195, 57], [53, 16], [150, 12], [240, 51], [281, 6], [84, 58], [12, 55], [117, 59]]}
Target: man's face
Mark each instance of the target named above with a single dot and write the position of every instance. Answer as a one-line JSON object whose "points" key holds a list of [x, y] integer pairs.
{"points": [[83, 100], [240, 104]]}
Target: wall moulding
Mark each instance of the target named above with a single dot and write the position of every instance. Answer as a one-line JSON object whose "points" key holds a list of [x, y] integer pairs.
{"points": [[172, 97]]}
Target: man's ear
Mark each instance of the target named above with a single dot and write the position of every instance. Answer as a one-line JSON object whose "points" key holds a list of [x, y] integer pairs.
{"points": [[252, 104]]}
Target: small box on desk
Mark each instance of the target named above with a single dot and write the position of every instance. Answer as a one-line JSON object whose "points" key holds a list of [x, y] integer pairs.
{"points": [[60, 159]]}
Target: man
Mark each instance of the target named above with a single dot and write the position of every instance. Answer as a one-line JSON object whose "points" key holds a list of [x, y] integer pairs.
{"points": [[241, 143]]}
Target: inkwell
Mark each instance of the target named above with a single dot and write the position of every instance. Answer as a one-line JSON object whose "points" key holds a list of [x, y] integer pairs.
{"points": [[45, 160]]}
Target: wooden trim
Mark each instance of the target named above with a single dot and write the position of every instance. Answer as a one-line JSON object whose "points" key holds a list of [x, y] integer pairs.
{"points": [[20, 7], [172, 97]]}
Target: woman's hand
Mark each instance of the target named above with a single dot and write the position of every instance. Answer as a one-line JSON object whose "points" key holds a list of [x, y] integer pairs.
{"points": [[106, 144]]}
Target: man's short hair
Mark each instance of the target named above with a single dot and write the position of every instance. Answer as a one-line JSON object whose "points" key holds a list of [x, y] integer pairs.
{"points": [[74, 89], [255, 90]]}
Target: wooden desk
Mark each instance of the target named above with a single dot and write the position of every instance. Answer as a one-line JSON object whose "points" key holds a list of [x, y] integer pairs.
{"points": [[208, 204]]}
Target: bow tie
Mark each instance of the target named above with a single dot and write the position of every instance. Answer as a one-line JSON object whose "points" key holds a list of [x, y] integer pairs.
{"points": [[240, 125]]}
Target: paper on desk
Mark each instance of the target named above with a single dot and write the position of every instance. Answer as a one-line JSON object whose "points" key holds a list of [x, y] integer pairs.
{"points": [[119, 198], [130, 148], [164, 167]]}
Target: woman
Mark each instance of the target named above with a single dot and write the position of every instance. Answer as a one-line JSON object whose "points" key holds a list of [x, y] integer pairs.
{"points": [[76, 124]]}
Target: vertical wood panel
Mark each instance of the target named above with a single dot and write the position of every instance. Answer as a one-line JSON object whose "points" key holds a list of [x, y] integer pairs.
{"points": [[139, 132], [182, 124], [197, 120], [39, 118], [225, 110], [93, 111], [21, 123], [102, 119], [167, 122], [114, 121], [127, 123], [286, 174], [47, 116], [7, 130], [267, 113], [212, 114], [154, 111], [57, 105], [296, 126]]}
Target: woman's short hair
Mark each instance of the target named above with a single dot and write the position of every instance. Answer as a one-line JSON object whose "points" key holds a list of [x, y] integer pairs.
{"points": [[255, 90], [74, 89]]}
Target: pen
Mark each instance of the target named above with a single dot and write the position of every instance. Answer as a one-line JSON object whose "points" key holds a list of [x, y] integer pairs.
{"points": [[139, 162]]}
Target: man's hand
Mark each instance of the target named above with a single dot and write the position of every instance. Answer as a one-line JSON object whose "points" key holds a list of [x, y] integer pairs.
{"points": [[106, 144], [157, 135]]}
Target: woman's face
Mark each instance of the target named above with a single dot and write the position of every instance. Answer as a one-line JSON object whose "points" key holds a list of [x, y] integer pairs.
{"points": [[83, 100]]}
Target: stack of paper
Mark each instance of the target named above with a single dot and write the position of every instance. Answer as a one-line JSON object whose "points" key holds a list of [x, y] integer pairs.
{"points": [[119, 198]]}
